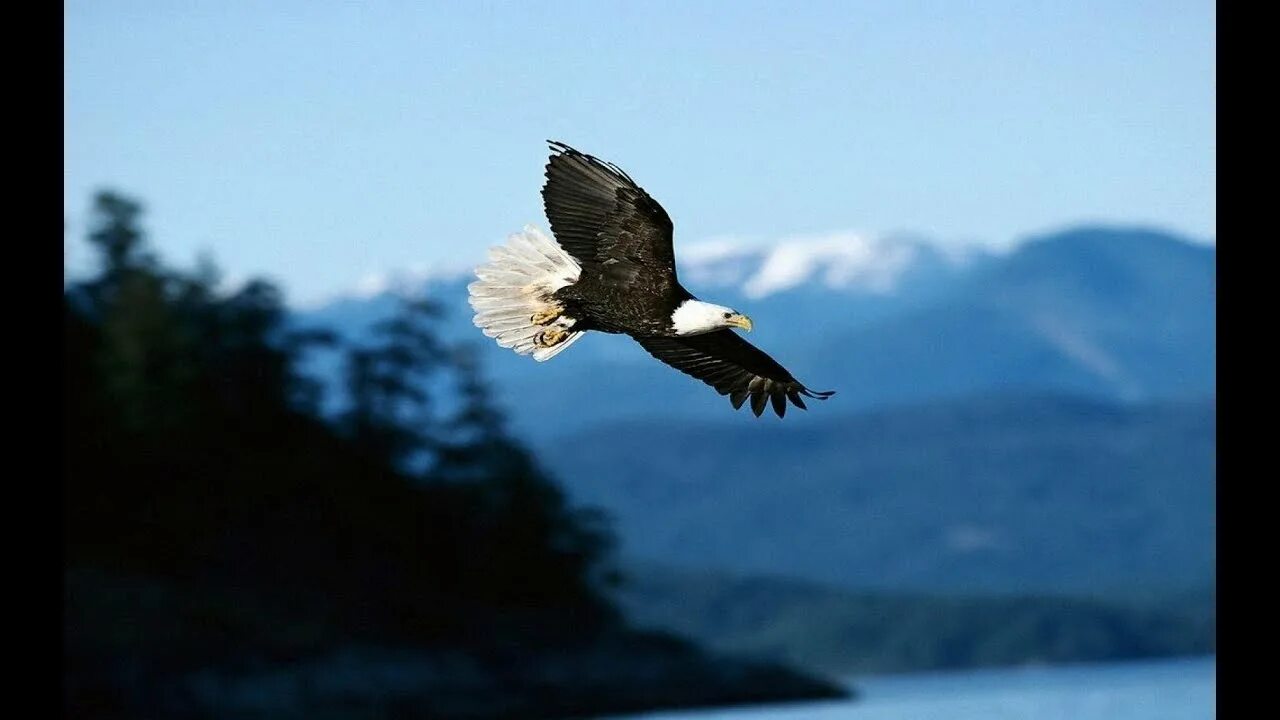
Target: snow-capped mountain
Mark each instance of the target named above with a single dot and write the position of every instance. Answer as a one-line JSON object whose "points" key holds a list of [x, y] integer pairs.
{"points": [[1115, 313], [848, 262]]}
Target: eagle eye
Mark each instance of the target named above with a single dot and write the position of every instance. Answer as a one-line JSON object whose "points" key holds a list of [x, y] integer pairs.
{"points": [[728, 315]]}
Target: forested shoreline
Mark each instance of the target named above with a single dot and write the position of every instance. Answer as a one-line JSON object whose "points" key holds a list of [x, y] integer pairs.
{"points": [[225, 545]]}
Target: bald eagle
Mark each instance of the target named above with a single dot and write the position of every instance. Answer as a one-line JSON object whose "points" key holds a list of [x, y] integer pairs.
{"points": [[611, 268]]}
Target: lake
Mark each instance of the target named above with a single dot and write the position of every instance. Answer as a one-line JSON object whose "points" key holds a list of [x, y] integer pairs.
{"points": [[1180, 689]]}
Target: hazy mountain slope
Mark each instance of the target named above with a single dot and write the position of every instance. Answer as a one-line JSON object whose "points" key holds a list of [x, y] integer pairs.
{"points": [[1128, 315], [825, 629], [1019, 494]]}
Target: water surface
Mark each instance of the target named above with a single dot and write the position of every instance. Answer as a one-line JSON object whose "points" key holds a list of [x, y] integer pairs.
{"points": [[1181, 689]]}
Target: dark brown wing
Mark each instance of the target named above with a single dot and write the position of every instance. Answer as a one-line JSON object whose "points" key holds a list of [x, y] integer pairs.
{"points": [[734, 367], [601, 217]]}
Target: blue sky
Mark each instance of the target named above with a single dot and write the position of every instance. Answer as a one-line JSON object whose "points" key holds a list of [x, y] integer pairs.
{"points": [[318, 142]]}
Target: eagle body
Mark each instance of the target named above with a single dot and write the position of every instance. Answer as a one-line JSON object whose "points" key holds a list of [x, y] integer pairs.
{"points": [[637, 309], [611, 268]]}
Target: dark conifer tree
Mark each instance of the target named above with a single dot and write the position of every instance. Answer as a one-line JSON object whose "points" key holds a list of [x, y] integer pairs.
{"points": [[390, 414], [197, 468]]}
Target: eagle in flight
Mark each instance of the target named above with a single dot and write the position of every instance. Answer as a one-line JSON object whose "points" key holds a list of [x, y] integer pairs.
{"points": [[612, 268]]}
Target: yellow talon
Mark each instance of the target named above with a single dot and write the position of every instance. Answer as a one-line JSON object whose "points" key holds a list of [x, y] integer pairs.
{"points": [[546, 317], [550, 337]]}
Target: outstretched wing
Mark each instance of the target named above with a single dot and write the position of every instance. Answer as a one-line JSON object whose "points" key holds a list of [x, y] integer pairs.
{"points": [[601, 217], [734, 367]]}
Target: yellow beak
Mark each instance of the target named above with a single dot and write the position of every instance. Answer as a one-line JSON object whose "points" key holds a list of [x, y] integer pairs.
{"points": [[741, 321]]}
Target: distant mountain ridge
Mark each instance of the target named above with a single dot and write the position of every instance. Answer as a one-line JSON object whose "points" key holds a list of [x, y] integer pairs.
{"points": [[1015, 494], [845, 262], [1124, 314], [854, 263]]}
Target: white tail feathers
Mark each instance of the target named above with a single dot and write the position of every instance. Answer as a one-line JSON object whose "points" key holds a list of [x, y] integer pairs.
{"points": [[513, 297]]}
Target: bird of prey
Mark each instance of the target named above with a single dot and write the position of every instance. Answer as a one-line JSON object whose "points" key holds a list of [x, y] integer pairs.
{"points": [[611, 268]]}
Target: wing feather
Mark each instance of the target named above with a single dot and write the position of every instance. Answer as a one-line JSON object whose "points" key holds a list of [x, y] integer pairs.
{"points": [[734, 367], [605, 220]]}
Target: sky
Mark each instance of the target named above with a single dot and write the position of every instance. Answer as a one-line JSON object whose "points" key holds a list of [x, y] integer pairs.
{"points": [[321, 144]]}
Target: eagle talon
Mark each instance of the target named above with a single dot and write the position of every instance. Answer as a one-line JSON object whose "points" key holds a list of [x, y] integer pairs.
{"points": [[550, 337], [546, 317]]}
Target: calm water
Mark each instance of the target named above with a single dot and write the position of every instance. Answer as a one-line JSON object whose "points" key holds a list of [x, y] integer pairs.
{"points": [[1163, 690]]}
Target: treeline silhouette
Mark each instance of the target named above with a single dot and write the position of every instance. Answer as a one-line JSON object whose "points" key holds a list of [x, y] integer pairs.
{"points": [[213, 516]]}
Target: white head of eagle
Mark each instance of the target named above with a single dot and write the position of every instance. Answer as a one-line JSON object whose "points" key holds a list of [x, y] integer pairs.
{"points": [[695, 317], [612, 268]]}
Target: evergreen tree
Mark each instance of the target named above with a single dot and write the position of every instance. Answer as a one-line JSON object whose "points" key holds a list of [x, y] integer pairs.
{"points": [[391, 413], [115, 233], [548, 552], [197, 467], [474, 442]]}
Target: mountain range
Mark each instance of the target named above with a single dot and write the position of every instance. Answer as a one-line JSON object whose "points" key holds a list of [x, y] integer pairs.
{"points": [[1038, 420], [1117, 314]]}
